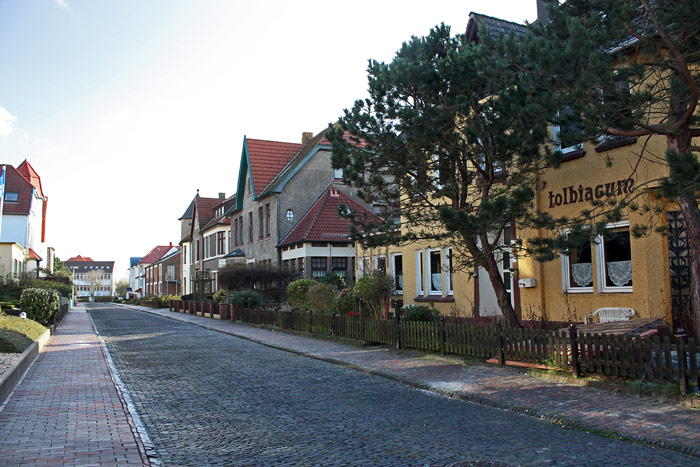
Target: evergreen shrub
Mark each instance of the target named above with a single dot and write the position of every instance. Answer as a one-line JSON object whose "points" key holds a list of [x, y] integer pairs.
{"points": [[40, 304]]}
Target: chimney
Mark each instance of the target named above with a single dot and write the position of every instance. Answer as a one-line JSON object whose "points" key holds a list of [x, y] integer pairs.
{"points": [[542, 15], [306, 137], [171, 244], [222, 195]]}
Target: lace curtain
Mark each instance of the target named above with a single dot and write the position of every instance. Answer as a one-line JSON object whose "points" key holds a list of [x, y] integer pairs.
{"points": [[582, 273], [620, 272]]}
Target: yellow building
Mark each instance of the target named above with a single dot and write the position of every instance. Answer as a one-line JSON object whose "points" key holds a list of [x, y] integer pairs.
{"points": [[621, 271]]}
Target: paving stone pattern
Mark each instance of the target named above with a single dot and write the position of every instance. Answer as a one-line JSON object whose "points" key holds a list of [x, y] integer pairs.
{"points": [[208, 398], [67, 411]]}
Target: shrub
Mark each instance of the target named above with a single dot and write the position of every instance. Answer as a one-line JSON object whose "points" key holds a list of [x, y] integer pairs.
{"points": [[375, 290], [321, 297], [345, 302], [421, 313], [40, 304], [297, 293], [249, 298], [220, 296], [333, 279]]}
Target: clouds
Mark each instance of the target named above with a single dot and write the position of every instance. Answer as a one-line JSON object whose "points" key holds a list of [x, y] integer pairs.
{"points": [[7, 122]]}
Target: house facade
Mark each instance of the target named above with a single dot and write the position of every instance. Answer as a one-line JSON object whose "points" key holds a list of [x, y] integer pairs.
{"points": [[12, 258], [91, 278], [648, 274], [24, 215], [320, 241], [278, 183], [141, 289], [162, 277]]}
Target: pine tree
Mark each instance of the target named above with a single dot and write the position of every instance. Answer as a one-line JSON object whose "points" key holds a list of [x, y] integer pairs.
{"points": [[631, 70], [450, 142]]}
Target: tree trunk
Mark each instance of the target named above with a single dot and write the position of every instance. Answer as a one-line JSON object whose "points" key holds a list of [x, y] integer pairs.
{"points": [[689, 208], [509, 316]]}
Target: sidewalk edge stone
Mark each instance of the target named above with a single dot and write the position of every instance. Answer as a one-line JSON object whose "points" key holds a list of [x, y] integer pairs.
{"points": [[14, 375]]}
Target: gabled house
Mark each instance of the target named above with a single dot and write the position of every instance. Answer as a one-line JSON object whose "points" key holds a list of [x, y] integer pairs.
{"points": [[140, 269], [133, 276], [320, 241], [24, 214], [204, 239], [162, 277], [277, 183]]}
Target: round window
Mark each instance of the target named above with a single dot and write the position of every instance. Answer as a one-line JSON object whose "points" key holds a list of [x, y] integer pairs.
{"points": [[290, 215]]}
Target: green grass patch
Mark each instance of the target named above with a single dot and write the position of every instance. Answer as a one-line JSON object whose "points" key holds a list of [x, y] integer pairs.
{"points": [[16, 334]]}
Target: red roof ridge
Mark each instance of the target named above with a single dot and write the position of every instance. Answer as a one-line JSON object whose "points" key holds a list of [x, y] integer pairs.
{"points": [[27, 171], [33, 255]]}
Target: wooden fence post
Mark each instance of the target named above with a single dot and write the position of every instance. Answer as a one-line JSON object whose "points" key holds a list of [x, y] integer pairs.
{"points": [[443, 347], [574, 351], [333, 323], [311, 312], [500, 351]]}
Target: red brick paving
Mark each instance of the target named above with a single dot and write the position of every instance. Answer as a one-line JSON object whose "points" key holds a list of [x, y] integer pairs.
{"points": [[67, 410]]}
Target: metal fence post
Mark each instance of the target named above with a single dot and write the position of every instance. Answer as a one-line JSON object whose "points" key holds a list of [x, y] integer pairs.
{"points": [[574, 351], [311, 312], [680, 347], [333, 323]]}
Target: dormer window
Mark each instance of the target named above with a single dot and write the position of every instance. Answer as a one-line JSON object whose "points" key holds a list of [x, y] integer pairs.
{"points": [[11, 197]]}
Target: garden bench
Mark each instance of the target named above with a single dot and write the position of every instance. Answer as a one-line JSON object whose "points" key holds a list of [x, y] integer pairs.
{"points": [[610, 314]]}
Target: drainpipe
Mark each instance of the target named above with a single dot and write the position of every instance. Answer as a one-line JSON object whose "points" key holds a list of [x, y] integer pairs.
{"points": [[279, 253]]}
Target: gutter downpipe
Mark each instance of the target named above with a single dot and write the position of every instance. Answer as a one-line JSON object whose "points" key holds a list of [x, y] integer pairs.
{"points": [[279, 252]]}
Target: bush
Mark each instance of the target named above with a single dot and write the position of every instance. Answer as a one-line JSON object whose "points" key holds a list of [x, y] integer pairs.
{"points": [[374, 290], [249, 298], [333, 279], [346, 302], [321, 297], [220, 296], [297, 293], [421, 313], [40, 304]]}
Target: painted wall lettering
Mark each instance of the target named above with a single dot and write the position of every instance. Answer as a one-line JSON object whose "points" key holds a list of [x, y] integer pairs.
{"points": [[581, 194]]}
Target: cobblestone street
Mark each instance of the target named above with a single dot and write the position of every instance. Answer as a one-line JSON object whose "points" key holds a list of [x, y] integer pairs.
{"points": [[207, 398]]}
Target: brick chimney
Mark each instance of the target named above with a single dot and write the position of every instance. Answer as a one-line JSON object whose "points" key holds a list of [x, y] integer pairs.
{"points": [[306, 137]]}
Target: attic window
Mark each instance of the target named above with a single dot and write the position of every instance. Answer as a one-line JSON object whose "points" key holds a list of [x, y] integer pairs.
{"points": [[11, 197], [290, 215]]}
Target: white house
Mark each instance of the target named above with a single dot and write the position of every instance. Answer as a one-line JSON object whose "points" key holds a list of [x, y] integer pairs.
{"points": [[91, 278], [24, 215]]}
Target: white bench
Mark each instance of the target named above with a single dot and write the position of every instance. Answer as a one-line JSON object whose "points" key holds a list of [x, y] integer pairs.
{"points": [[610, 314]]}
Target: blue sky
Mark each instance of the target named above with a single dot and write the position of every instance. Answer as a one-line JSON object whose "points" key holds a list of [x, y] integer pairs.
{"points": [[126, 107]]}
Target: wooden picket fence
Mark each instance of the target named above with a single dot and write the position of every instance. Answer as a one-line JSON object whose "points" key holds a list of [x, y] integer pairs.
{"points": [[652, 358]]}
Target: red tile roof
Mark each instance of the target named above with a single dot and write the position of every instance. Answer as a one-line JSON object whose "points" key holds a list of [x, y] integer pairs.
{"points": [[322, 223], [30, 174], [267, 158], [155, 254], [204, 209], [34, 255], [16, 183], [79, 258]]}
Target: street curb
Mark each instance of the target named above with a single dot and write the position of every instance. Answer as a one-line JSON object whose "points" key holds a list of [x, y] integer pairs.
{"points": [[16, 372], [561, 420]]}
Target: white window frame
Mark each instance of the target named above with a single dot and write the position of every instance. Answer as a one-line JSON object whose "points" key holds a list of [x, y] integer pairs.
{"points": [[600, 261], [566, 285], [362, 262], [430, 272], [392, 269], [449, 276], [420, 289], [375, 261], [556, 131], [338, 174]]}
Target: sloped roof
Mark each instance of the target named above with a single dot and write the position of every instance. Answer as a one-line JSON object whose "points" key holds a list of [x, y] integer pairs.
{"points": [[266, 159], [30, 174], [34, 255], [189, 212], [15, 182], [173, 251], [87, 266], [79, 258], [204, 210], [227, 204], [155, 254], [322, 223], [495, 26]]}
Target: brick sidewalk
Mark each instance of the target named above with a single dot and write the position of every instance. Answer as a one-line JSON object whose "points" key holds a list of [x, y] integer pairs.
{"points": [[66, 410], [637, 418]]}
